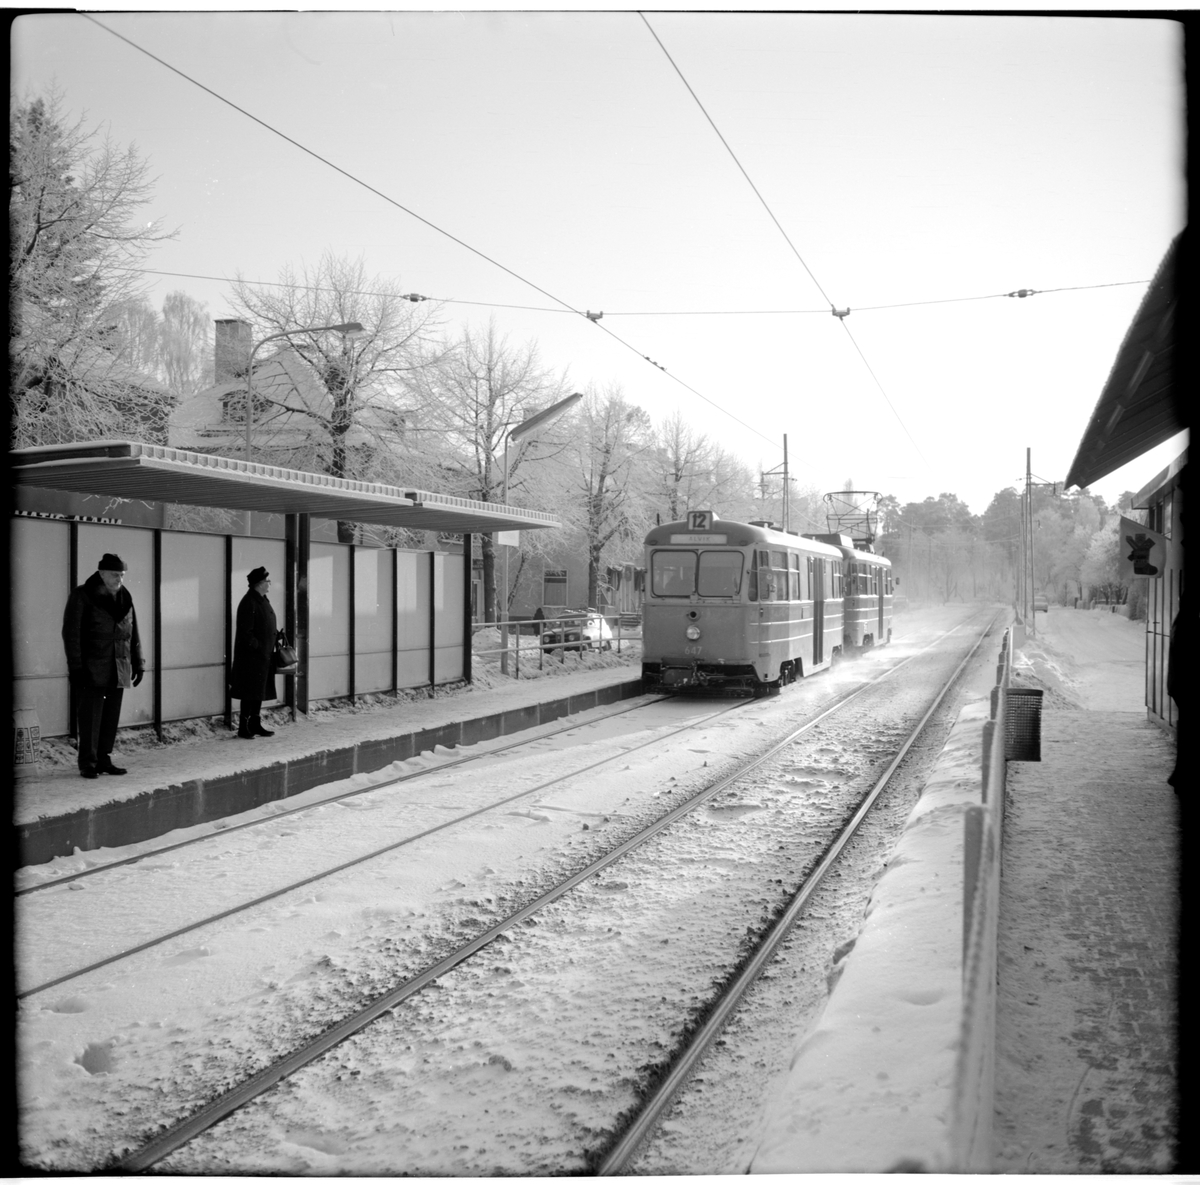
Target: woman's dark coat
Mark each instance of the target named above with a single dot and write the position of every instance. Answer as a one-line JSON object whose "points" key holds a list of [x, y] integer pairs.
{"points": [[253, 675], [100, 635]]}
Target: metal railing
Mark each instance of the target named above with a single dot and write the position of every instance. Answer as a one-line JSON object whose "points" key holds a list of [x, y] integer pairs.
{"points": [[983, 828], [554, 636]]}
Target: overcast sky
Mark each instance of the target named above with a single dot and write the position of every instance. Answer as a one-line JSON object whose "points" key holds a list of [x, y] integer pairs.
{"points": [[906, 159]]}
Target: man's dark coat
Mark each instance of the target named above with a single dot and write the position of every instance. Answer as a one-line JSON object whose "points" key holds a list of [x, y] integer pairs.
{"points": [[100, 635]]}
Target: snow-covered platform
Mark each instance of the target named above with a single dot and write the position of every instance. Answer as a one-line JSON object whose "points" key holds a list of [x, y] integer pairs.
{"points": [[183, 784], [1086, 1062]]}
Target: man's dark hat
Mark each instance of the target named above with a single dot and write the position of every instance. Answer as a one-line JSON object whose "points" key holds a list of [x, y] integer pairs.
{"points": [[111, 563], [257, 575]]}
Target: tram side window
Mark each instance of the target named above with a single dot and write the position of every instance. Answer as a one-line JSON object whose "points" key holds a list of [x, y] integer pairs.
{"points": [[673, 573], [766, 577], [779, 572], [720, 574], [795, 591]]}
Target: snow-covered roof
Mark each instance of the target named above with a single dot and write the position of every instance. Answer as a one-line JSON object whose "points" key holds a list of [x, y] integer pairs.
{"points": [[153, 473]]}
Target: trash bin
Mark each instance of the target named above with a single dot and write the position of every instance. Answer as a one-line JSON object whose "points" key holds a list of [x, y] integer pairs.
{"points": [[1023, 724], [27, 736]]}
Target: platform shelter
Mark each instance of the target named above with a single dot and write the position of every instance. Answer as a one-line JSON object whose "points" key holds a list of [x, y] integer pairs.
{"points": [[363, 619]]}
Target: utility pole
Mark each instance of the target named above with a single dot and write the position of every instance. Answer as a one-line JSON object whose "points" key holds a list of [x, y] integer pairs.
{"points": [[1029, 523], [763, 474]]}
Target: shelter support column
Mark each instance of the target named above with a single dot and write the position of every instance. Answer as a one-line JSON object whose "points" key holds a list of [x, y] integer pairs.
{"points": [[432, 617], [351, 625], [158, 660], [228, 629], [303, 543], [467, 623], [73, 578], [291, 528]]}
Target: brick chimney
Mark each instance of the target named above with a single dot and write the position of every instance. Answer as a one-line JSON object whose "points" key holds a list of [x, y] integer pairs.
{"points": [[233, 344]]}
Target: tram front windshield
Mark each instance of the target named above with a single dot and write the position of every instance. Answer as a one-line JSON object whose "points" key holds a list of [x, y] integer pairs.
{"points": [[705, 573]]}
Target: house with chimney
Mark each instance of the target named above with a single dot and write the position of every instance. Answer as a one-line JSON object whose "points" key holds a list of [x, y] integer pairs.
{"points": [[290, 403]]}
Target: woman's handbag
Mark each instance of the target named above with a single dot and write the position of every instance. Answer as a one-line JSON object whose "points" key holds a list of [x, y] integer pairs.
{"points": [[285, 659]]}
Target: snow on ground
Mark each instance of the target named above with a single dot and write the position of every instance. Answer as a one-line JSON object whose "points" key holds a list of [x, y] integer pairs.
{"points": [[205, 748], [105, 1058], [1086, 1055]]}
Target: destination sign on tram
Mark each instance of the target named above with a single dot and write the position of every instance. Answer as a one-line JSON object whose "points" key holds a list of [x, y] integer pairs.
{"points": [[710, 539]]}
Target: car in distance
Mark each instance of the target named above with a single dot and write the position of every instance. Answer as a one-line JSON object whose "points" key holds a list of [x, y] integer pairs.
{"points": [[1041, 605], [578, 629]]}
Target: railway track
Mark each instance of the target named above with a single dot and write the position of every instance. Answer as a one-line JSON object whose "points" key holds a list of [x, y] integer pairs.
{"points": [[684, 1059], [254, 1087]]}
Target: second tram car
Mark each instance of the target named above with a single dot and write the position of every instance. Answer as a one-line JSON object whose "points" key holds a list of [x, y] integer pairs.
{"points": [[745, 608]]}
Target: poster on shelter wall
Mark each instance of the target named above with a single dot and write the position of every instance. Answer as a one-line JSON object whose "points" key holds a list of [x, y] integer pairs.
{"points": [[1143, 551]]}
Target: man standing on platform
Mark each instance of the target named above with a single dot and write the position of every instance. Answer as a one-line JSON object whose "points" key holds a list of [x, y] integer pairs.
{"points": [[104, 656]]}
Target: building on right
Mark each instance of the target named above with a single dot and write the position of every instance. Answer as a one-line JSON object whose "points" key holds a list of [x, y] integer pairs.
{"points": [[1140, 407]]}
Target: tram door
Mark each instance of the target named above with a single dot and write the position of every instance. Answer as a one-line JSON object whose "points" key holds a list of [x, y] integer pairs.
{"points": [[816, 581], [880, 586]]}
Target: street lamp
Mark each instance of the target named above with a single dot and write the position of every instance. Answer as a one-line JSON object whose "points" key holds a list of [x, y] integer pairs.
{"points": [[350, 328], [524, 428]]}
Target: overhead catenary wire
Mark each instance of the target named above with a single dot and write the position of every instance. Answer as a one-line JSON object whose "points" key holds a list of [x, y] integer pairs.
{"points": [[840, 314], [531, 308], [412, 213]]}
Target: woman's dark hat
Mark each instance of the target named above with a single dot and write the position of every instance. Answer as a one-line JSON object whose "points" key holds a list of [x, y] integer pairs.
{"points": [[257, 575], [111, 563]]}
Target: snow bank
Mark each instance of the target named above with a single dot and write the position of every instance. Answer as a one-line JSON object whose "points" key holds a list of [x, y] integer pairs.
{"points": [[872, 1089]]}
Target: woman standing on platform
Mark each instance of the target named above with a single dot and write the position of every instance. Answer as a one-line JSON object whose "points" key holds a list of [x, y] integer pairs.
{"points": [[253, 678]]}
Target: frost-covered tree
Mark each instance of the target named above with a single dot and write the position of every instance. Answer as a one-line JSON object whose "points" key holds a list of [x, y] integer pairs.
{"points": [[174, 346], [609, 507], [74, 241], [342, 405], [470, 398]]}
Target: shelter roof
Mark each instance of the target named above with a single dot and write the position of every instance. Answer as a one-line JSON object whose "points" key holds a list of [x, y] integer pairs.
{"points": [[153, 473], [1138, 407]]}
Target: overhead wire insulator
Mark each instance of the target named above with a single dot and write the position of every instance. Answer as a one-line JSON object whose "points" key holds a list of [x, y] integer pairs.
{"points": [[593, 316], [415, 297], [1023, 292], [840, 314]]}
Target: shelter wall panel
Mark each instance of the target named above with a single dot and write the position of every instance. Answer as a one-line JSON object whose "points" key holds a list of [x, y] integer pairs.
{"points": [[50, 698], [328, 677], [135, 545], [412, 602], [250, 553], [449, 588], [193, 623], [412, 668], [447, 664], [372, 600], [192, 692], [39, 585], [372, 672]]}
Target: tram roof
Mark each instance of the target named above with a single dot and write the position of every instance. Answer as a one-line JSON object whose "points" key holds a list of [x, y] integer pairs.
{"points": [[155, 473], [728, 533]]}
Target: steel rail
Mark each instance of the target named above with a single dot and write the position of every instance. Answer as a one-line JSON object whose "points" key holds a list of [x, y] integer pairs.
{"points": [[257, 1084], [292, 886], [219, 832], [617, 1159]]}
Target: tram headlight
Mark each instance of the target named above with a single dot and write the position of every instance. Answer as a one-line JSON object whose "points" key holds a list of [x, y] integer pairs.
{"points": [[693, 633]]}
